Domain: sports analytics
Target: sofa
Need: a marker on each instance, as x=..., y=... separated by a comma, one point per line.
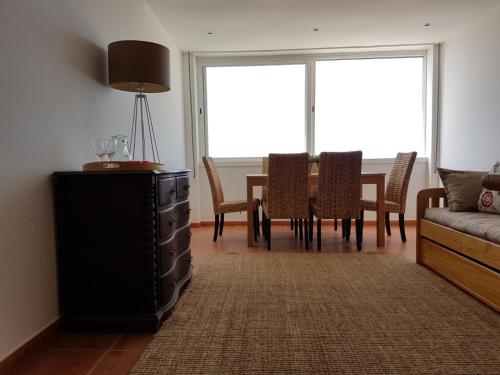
x=463, y=247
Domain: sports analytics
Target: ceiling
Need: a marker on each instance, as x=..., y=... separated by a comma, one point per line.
x=239, y=25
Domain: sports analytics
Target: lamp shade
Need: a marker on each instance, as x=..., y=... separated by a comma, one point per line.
x=139, y=66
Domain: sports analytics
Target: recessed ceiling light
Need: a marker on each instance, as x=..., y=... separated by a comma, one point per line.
x=210, y=33
x=427, y=24
x=315, y=28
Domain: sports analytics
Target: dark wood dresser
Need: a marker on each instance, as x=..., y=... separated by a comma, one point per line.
x=123, y=246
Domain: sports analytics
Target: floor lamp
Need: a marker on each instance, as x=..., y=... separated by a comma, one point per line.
x=141, y=67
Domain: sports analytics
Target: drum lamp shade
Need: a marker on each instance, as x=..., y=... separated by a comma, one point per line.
x=139, y=66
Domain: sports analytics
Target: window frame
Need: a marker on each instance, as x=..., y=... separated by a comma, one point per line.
x=309, y=59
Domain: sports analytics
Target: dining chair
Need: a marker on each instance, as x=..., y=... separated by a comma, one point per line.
x=396, y=191
x=287, y=191
x=221, y=206
x=339, y=193
x=294, y=223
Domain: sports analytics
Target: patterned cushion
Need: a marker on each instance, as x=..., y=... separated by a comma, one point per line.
x=489, y=200
x=479, y=224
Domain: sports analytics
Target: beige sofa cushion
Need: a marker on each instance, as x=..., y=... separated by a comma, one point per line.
x=479, y=224
x=462, y=188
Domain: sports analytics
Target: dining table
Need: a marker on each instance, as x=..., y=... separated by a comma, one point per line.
x=377, y=179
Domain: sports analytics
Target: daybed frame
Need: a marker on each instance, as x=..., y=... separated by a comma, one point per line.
x=470, y=262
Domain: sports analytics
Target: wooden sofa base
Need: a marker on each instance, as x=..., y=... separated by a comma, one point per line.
x=483, y=283
x=469, y=262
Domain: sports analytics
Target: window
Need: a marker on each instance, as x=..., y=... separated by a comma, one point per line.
x=254, y=110
x=373, y=105
x=370, y=101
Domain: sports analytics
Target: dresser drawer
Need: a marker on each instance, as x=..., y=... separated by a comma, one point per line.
x=167, y=256
x=167, y=288
x=167, y=191
x=182, y=212
x=183, y=265
x=182, y=187
x=167, y=224
x=173, y=248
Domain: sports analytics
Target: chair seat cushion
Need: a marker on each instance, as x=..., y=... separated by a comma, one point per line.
x=236, y=206
x=369, y=205
x=478, y=224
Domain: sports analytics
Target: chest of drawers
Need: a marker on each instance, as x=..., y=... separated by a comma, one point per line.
x=123, y=246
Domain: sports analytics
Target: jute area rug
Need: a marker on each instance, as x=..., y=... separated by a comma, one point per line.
x=296, y=313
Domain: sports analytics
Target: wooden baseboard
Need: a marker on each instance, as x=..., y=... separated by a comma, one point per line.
x=287, y=222
x=28, y=349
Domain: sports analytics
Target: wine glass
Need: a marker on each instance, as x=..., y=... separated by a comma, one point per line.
x=104, y=148
x=110, y=148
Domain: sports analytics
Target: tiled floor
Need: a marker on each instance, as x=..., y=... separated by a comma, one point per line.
x=116, y=353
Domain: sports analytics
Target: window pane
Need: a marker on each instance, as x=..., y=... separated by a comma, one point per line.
x=255, y=110
x=373, y=105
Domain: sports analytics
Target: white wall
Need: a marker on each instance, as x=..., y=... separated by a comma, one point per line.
x=234, y=183
x=470, y=97
x=54, y=100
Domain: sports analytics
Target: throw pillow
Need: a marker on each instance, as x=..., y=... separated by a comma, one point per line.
x=462, y=188
x=492, y=182
x=489, y=200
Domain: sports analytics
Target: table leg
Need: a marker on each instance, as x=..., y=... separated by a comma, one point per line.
x=380, y=211
x=249, y=214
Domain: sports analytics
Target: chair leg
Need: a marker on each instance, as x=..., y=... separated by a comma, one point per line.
x=301, y=236
x=359, y=233
x=387, y=224
x=318, y=232
x=264, y=225
x=264, y=228
x=362, y=216
x=221, y=226
x=310, y=222
x=335, y=225
x=216, y=227
x=347, y=229
x=268, y=234
x=296, y=227
x=342, y=221
x=402, y=227
x=306, y=233
x=255, y=221
x=291, y=224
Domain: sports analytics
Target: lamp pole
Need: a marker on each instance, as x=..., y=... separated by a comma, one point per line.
x=141, y=105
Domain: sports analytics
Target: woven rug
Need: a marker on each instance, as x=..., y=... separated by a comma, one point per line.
x=367, y=313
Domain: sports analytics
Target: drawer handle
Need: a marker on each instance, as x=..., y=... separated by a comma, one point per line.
x=186, y=187
x=188, y=235
x=172, y=191
x=173, y=283
x=171, y=252
x=188, y=211
x=171, y=222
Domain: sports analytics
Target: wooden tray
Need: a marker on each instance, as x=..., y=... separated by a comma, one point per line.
x=110, y=166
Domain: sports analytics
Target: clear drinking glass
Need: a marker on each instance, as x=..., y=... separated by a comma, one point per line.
x=122, y=148
x=104, y=148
